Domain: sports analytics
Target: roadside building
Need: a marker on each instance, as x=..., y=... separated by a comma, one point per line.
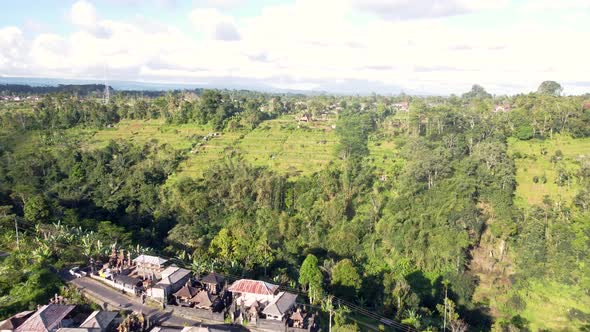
x=128, y=283
x=149, y=267
x=280, y=306
x=213, y=282
x=11, y=323
x=173, y=278
x=185, y=294
x=100, y=320
x=48, y=318
x=246, y=291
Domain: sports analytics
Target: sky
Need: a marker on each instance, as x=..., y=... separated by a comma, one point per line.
x=343, y=46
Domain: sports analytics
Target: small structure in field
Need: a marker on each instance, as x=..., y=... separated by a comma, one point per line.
x=305, y=118
x=403, y=106
x=502, y=108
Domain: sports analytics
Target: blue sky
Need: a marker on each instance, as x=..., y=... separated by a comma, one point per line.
x=352, y=46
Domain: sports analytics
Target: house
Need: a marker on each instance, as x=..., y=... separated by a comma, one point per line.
x=128, y=283
x=100, y=320
x=502, y=108
x=149, y=267
x=247, y=291
x=11, y=323
x=297, y=318
x=280, y=306
x=253, y=311
x=404, y=106
x=213, y=282
x=173, y=278
x=48, y=318
x=203, y=300
x=185, y=294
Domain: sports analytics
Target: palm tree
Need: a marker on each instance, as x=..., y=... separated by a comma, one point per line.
x=328, y=305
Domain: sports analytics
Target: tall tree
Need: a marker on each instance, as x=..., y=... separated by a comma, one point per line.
x=310, y=276
x=550, y=88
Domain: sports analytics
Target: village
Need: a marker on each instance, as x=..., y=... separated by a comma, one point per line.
x=149, y=293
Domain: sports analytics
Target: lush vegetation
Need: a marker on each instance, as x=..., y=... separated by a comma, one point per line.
x=397, y=212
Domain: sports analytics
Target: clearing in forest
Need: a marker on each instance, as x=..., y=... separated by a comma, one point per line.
x=539, y=165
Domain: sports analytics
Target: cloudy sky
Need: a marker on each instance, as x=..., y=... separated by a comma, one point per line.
x=350, y=46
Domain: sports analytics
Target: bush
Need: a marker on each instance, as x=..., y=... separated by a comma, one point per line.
x=524, y=132
x=516, y=303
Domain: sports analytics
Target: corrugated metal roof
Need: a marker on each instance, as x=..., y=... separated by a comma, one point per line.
x=213, y=278
x=147, y=259
x=172, y=275
x=99, y=319
x=253, y=287
x=280, y=305
x=14, y=321
x=46, y=318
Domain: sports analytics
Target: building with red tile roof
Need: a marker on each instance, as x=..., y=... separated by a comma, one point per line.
x=248, y=291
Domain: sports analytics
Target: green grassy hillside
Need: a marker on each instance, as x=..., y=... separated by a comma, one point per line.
x=282, y=144
x=534, y=158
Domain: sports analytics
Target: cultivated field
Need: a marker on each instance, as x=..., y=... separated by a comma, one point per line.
x=280, y=144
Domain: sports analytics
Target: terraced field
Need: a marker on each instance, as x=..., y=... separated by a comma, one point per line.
x=289, y=147
x=282, y=144
x=142, y=131
x=383, y=152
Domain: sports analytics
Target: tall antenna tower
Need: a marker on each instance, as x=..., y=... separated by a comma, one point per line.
x=107, y=93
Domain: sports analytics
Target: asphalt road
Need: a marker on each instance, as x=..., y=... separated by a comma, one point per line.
x=115, y=298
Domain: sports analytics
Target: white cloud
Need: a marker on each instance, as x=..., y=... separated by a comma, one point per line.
x=214, y=25
x=83, y=14
x=412, y=9
x=218, y=3
x=12, y=45
x=307, y=44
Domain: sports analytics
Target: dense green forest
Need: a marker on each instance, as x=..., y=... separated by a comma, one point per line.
x=407, y=210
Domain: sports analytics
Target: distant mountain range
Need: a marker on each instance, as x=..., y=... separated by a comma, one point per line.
x=342, y=88
x=146, y=86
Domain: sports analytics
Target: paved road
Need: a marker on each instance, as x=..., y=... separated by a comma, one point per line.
x=115, y=298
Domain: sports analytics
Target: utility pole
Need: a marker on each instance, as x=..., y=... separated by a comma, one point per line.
x=16, y=228
x=106, y=86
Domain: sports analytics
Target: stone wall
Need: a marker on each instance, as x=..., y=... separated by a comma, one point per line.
x=197, y=314
x=271, y=325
